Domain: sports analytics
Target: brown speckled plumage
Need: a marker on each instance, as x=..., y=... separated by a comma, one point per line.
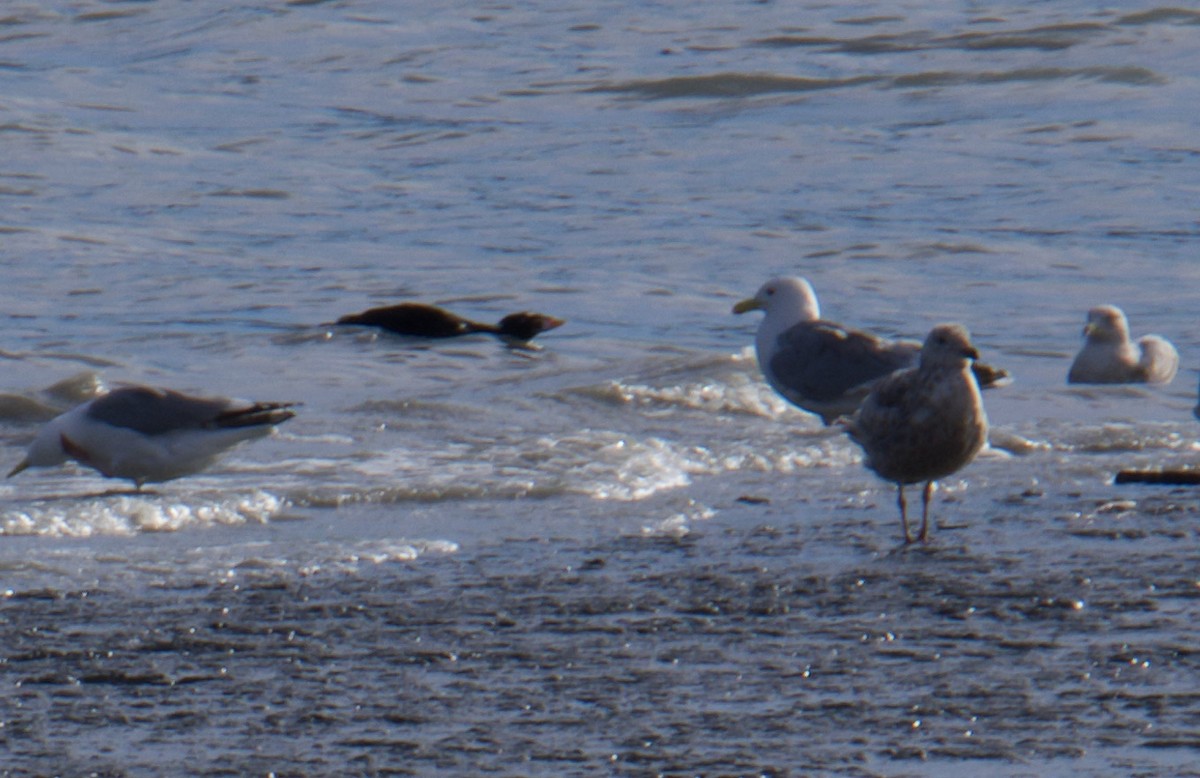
x=926, y=422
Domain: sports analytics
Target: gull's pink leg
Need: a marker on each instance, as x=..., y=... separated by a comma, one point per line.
x=928, y=494
x=903, y=513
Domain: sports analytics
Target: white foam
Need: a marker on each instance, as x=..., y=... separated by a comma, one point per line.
x=128, y=514
x=739, y=394
x=266, y=559
x=603, y=464
x=678, y=525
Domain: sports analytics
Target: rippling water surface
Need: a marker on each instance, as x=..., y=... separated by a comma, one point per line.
x=619, y=553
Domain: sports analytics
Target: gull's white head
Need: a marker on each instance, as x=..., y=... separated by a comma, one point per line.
x=1106, y=324
x=948, y=345
x=46, y=450
x=787, y=297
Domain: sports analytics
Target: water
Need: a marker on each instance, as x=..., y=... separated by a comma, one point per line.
x=619, y=554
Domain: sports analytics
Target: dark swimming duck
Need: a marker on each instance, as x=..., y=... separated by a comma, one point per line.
x=429, y=321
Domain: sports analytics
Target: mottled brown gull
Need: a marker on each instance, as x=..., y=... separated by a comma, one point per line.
x=926, y=422
x=818, y=365
x=1109, y=356
x=150, y=435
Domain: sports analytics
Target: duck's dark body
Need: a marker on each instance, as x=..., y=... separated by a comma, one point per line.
x=415, y=319
x=429, y=321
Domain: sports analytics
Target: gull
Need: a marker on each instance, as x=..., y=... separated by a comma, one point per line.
x=818, y=365
x=1108, y=355
x=145, y=434
x=925, y=422
x=429, y=321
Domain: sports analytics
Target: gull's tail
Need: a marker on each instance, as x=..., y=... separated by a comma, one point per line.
x=1160, y=360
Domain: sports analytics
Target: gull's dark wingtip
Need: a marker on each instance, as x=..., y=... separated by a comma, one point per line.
x=990, y=376
x=263, y=414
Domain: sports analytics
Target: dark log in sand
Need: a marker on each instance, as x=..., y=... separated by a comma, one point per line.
x=1185, y=477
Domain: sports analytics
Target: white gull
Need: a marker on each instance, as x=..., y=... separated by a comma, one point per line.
x=1109, y=356
x=145, y=434
x=819, y=365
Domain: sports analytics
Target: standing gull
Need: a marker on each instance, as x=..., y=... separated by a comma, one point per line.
x=1108, y=355
x=818, y=365
x=926, y=422
x=150, y=435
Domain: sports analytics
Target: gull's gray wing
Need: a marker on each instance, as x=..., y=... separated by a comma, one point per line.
x=823, y=361
x=152, y=411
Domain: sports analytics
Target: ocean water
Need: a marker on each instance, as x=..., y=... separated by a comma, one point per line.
x=618, y=553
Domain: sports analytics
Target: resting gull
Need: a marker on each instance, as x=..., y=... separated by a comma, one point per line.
x=925, y=422
x=429, y=321
x=150, y=435
x=820, y=366
x=1108, y=355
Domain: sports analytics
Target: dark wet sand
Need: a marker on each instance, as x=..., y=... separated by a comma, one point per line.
x=737, y=650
